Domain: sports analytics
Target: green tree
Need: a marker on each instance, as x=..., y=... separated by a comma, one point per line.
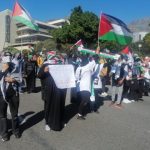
x=46, y=45
x=38, y=47
x=83, y=25
x=49, y=44
x=145, y=49
x=11, y=49
x=146, y=40
x=111, y=45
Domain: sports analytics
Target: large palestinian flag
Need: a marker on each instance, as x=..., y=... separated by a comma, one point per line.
x=113, y=29
x=22, y=16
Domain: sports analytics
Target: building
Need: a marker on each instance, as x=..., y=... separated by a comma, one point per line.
x=18, y=35
x=7, y=29
x=138, y=36
x=27, y=37
x=58, y=22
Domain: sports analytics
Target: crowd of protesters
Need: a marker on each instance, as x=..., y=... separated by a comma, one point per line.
x=129, y=81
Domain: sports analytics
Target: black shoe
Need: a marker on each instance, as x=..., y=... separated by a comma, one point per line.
x=17, y=135
x=81, y=117
x=33, y=91
x=4, y=139
x=146, y=94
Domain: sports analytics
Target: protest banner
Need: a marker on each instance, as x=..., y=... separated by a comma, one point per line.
x=63, y=76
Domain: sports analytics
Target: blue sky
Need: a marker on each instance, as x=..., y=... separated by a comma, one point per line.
x=126, y=10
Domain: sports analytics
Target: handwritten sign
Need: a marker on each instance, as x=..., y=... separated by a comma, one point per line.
x=63, y=76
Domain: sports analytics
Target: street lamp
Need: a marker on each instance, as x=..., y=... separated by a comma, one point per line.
x=140, y=45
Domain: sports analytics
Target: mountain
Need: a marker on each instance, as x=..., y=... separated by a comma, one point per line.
x=140, y=25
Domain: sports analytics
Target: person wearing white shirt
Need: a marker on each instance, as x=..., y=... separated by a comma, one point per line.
x=83, y=77
x=97, y=85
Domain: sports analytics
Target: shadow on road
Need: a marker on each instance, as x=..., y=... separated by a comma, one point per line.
x=32, y=121
x=27, y=114
x=37, y=89
x=70, y=111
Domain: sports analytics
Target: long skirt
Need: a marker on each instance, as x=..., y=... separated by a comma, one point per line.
x=54, y=106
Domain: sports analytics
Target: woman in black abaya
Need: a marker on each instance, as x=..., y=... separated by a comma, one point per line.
x=54, y=100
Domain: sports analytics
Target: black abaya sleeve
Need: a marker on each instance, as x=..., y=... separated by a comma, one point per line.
x=41, y=73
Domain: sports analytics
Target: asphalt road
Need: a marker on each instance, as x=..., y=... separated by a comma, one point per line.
x=112, y=129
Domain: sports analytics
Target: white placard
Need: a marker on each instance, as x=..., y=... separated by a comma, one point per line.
x=63, y=76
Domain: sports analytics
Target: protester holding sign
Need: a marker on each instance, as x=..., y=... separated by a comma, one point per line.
x=54, y=99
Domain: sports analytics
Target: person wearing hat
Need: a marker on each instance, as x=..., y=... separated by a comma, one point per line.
x=9, y=96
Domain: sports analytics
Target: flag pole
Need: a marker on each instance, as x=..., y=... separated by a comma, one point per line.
x=72, y=47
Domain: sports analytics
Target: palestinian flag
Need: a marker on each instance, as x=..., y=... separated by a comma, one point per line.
x=92, y=52
x=78, y=44
x=22, y=16
x=127, y=52
x=113, y=29
x=51, y=54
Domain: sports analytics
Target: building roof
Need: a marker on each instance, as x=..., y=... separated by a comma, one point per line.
x=46, y=24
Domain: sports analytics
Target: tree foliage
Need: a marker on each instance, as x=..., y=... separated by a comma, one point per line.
x=146, y=40
x=111, y=45
x=83, y=25
x=46, y=45
x=145, y=49
x=11, y=49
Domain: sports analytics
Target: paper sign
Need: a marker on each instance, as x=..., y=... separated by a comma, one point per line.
x=63, y=76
